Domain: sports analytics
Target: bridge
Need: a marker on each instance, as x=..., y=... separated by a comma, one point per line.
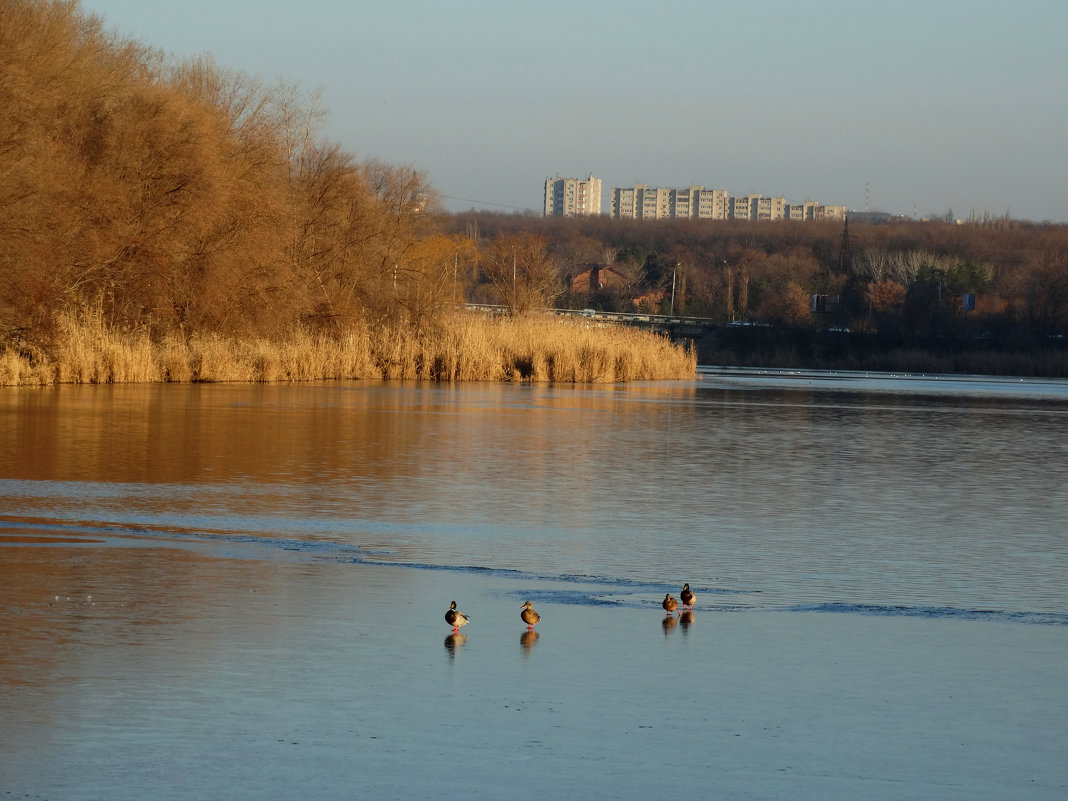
x=674, y=326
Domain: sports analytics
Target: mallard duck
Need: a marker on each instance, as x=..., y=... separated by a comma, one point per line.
x=530, y=617
x=687, y=597
x=455, y=617
x=670, y=604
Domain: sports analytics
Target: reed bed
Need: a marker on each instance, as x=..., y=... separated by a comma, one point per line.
x=462, y=347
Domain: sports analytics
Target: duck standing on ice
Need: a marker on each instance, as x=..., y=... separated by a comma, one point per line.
x=455, y=618
x=530, y=617
x=687, y=597
x=670, y=604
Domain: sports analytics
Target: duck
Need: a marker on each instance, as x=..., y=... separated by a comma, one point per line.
x=530, y=617
x=670, y=604
x=687, y=597
x=455, y=618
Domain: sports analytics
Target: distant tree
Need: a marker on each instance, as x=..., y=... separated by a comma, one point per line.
x=656, y=270
x=401, y=214
x=430, y=276
x=522, y=271
x=886, y=296
x=780, y=285
x=1047, y=297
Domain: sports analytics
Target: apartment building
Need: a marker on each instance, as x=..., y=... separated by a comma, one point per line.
x=769, y=208
x=801, y=211
x=643, y=202
x=829, y=213
x=572, y=197
x=623, y=203
x=743, y=207
x=810, y=210
x=712, y=204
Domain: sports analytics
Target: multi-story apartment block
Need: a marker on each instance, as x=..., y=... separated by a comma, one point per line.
x=682, y=202
x=625, y=202
x=801, y=211
x=712, y=204
x=656, y=203
x=829, y=213
x=810, y=210
x=743, y=207
x=572, y=197
x=769, y=208
x=643, y=202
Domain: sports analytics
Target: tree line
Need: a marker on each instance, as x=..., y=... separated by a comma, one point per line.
x=902, y=281
x=178, y=196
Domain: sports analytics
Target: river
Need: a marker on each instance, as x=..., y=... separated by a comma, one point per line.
x=237, y=591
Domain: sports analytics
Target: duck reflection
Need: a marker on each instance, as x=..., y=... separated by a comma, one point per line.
x=669, y=622
x=528, y=638
x=454, y=642
x=687, y=619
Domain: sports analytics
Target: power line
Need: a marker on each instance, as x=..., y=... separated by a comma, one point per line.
x=485, y=203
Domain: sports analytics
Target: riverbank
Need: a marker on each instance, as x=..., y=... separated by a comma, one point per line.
x=463, y=347
x=845, y=350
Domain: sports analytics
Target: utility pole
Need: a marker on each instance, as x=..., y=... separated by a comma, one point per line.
x=728, y=295
x=673, y=271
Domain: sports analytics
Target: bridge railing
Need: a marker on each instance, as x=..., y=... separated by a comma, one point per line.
x=620, y=317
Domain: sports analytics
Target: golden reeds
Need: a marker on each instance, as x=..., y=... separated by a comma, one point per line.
x=462, y=347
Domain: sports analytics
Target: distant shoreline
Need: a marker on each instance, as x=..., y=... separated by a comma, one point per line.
x=890, y=381
x=762, y=348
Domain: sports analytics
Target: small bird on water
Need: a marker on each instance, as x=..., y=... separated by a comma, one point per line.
x=670, y=604
x=455, y=617
x=687, y=597
x=530, y=617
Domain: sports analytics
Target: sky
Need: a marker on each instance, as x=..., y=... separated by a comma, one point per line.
x=907, y=107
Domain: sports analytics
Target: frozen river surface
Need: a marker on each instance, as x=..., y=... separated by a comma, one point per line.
x=238, y=592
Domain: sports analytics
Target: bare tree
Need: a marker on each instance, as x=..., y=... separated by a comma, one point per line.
x=428, y=279
x=522, y=271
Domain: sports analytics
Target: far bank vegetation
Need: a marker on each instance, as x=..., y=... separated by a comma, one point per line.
x=985, y=295
x=177, y=221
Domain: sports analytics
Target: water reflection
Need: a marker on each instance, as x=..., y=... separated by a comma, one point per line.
x=796, y=492
x=687, y=619
x=528, y=639
x=454, y=642
x=669, y=622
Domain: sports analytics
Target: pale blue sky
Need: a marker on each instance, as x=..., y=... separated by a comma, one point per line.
x=934, y=105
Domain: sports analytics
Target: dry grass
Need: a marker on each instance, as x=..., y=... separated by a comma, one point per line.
x=463, y=347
